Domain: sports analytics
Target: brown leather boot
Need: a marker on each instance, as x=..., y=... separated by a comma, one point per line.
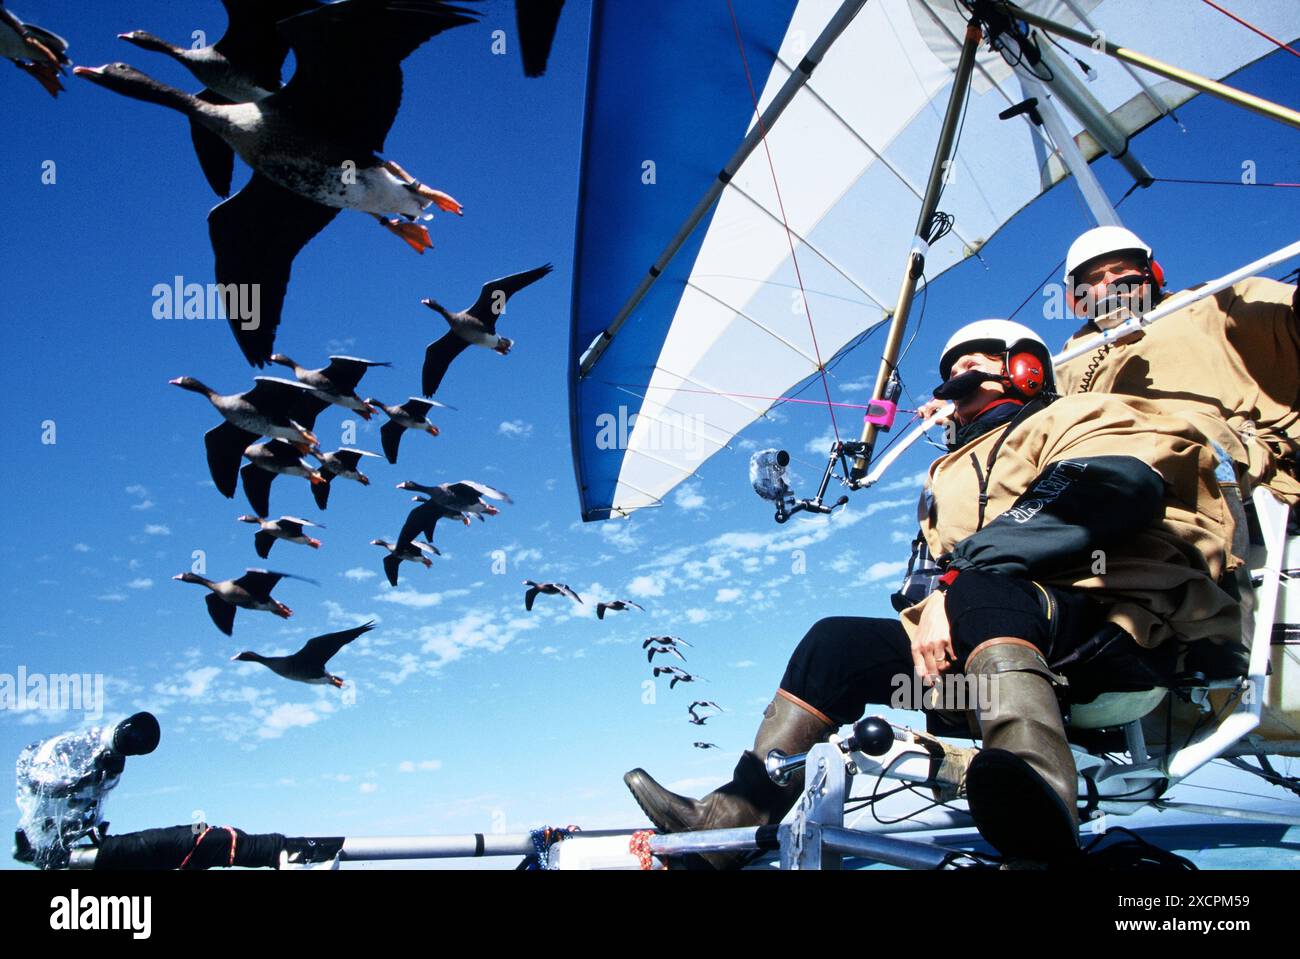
x=1023, y=785
x=751, y=798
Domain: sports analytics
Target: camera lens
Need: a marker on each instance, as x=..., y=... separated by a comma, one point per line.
x=137, y=735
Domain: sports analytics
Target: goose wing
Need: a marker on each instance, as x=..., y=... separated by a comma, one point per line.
x=494, y=292
x=345, y=372
x=390, y=437
x=437, y=358
x=255, y=236
x=251, y=41
x=216, y=159
x=319, y=650
x=225, y=445
x=257, y=487
x=348, y=84
x=262, y=542
x=537, y=20
x=222, y=613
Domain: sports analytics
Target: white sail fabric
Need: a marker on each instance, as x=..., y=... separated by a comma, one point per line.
x=851, y=156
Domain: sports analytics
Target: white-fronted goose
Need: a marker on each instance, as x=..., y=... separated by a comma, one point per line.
x=341, y=462
x=34, y=50
x=476, y=326
x=308, y=664
x=266, y=461
x=291, y=529
x=336, y=383
x=250, y=591
x=616, y=606
x=464, y=496
x=262, y=411
x=698, y=720
x=329, y=120
x=546, y=589
x=408, y=551
x=411, y=415
x=242, y=67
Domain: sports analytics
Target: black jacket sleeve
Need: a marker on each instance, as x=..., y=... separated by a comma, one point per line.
x=1072, y=508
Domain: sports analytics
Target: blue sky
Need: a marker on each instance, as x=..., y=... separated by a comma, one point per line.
x=469, y=714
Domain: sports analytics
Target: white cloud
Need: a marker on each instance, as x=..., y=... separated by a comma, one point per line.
x=859, y=385
x=112, y=597
x=882, y=570
x=696, y=616
x=135, y=489
x=915, y=481
x=199, y=680
x=744, y=664
x=423, y=765
x=485, y=629
x=141, y=583
x=81, y=547
x=286, y=716
x=143, y=504
x=413, y=599
x=688, y=497
x=359, y=573
x=647, y=586
x=728, y=595
x=515, y=429
x=157, y=529
x=549, y=650
x=368, y=788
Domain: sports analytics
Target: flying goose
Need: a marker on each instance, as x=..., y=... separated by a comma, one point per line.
x=291, y=529
x=476, y=326
x=266, y=461
x=460, y=498
x=342, y=462
x=262, y=411
x=313, y=145
x=308, y=664
x=698, y=720
x=336, y=383
x=250, y=591
x=546, y=589
x=404, y=551
x=411, y=415
x=242, y=67
x=34, y=50
x=617, y=605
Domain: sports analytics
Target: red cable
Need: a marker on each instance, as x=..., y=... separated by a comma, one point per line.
x=821, y=367
x=1250, y=26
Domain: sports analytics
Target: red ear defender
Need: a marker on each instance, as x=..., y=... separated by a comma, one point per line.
x=1158, y=274
x=1024, y=371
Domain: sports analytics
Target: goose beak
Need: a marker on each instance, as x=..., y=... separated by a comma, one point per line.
x=365, y=480
x=316, y=479
x=433, y=430
x=428, y=562
x=336, y=682
x=314, y=543
x=88, y=72
x=283, y=611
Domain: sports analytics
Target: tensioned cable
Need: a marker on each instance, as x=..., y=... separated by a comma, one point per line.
x=749, y=80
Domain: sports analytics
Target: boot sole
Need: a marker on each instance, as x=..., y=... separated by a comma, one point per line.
x=1017, y=812
x=640, y=778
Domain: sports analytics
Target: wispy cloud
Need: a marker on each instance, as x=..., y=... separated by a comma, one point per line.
x=141, y=583
x=515, y=429
x=422, y=765
x=687, y=497
x=413, y=599
x=359, y=573
x=157, y=529
x=80, y=548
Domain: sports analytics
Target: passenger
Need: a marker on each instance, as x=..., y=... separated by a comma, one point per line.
x=1082, y=540
x=1234, y=355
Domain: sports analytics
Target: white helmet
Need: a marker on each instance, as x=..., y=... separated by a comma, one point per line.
x=1102, y=241
x=996, y=336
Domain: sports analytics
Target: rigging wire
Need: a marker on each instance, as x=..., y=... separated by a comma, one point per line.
x=789, y=236
x=1250, y=26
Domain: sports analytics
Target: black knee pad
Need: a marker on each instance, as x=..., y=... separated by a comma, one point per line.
x=983, y=606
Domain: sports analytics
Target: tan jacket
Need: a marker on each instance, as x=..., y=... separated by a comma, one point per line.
x=1234, y=356
x=1162, y=582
